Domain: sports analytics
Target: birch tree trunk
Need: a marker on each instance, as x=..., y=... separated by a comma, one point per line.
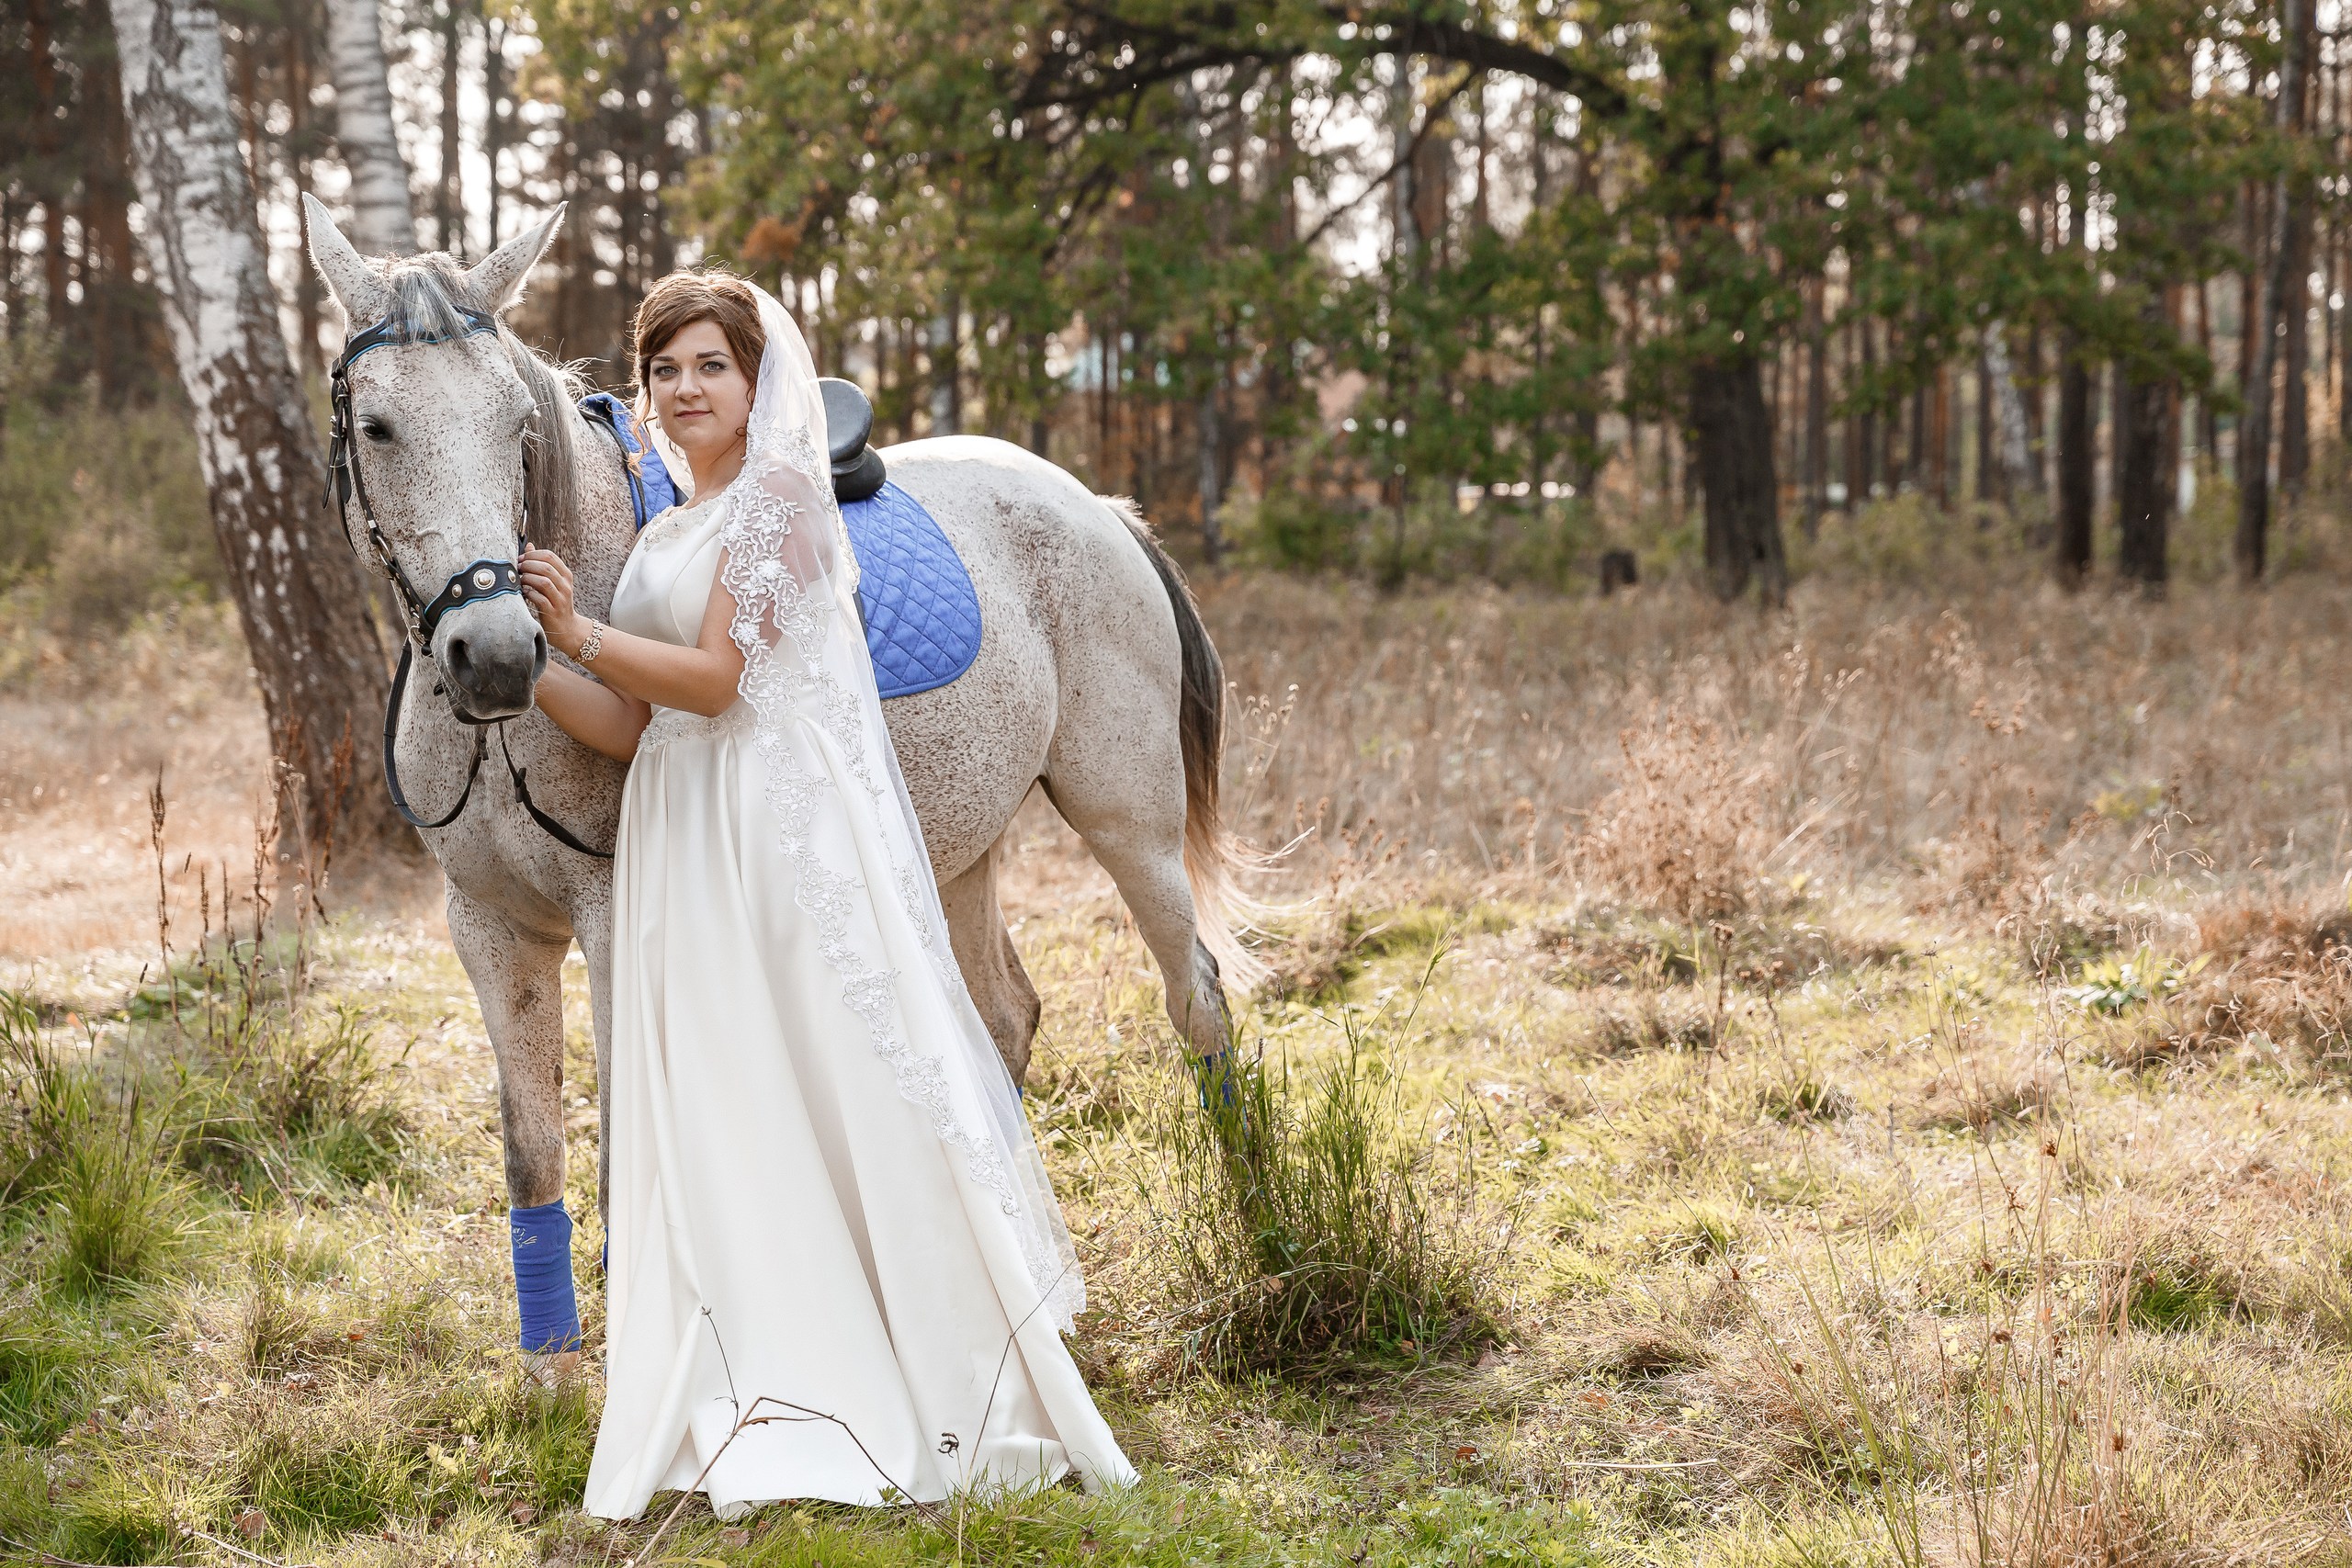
x=299, y=592
x=2012, y=451
x=383, y=222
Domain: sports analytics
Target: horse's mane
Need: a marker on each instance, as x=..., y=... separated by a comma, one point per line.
x=427, y=292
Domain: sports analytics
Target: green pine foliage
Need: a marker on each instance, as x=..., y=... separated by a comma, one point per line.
x=1490, y=226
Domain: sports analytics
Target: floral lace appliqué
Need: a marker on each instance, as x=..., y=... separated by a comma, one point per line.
x=785, y=677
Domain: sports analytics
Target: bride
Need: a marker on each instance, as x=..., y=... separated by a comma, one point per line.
x=836, y=1268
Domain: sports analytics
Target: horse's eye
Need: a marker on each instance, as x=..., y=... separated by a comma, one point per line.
x=375, y=430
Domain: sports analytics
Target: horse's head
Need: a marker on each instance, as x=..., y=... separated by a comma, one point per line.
x=435, y=402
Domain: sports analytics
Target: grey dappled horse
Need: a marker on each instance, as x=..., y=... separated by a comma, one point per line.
x=1095, y=680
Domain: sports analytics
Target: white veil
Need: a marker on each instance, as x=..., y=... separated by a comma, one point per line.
x=789, y=565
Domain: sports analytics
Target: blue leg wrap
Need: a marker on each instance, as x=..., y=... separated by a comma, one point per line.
x=1214, y=1068
x=542, y=1239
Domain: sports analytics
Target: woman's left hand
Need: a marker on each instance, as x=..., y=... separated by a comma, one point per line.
x=547, y=588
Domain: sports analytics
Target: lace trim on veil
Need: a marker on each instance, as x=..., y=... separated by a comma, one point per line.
x=784, y=624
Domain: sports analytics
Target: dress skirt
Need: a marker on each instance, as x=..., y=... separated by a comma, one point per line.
x=786, y=1226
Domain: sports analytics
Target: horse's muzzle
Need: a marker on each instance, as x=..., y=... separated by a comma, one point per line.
x=491, y=656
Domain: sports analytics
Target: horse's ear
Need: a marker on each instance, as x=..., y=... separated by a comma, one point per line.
x=359, y=292
x=497, y=279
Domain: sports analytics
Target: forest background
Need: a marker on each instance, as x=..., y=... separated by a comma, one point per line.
x=1412, y=289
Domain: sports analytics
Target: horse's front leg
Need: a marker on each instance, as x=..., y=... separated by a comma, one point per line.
x=592, y=919
x=518, y=979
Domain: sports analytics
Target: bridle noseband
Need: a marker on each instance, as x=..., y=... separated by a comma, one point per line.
x=469, y=584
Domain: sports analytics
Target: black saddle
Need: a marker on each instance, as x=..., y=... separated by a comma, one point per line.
x=858, y=471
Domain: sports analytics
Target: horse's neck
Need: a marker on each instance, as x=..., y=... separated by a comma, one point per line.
x=605, y=524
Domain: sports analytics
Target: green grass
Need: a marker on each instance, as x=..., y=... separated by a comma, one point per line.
x=1791, y=1280
x=1303, y=1222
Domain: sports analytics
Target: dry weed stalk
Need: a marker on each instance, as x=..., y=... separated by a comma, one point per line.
x=1680, y=832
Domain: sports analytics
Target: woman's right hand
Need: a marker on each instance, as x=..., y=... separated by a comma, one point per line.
x=547, y=588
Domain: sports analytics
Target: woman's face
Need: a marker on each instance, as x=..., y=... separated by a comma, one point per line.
x=701, y=394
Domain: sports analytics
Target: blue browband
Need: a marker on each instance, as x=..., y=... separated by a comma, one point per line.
x=390, y=333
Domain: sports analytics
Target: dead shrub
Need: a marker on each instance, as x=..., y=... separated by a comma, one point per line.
x=2273, y=976
x=1978, y=1096
x=1651, y=1021
x=1996, y=861
x=1681, y=831
x=1642, y=1349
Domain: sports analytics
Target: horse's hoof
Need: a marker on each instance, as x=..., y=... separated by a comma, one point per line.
x=552, y=1368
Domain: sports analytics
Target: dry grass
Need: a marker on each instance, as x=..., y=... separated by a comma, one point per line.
x=1998, y=732
x=1908, y=1063
x=85, y=731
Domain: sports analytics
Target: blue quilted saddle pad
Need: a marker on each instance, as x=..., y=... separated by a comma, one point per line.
x=922, y=618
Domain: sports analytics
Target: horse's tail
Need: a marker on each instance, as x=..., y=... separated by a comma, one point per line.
x=1214, y=859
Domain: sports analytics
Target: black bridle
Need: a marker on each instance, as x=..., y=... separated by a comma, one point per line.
x=469, y=584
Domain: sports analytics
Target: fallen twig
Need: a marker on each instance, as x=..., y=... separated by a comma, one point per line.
x=241, y=1551
x=1636, y=1464
x=749, y=1418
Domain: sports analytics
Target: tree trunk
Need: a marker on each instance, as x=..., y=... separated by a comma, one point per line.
x=1816, y=410
x=2012, y=452
x=381, y=222
x=1731, y=437
x=2249, y=312
x=1943, y=426
x=12, y=293
x=946, y=369
x=2145, y=474
x=42, y=47
x=2340, y=334
x=449, y=190
x=1861, y=437
x=2209, y=431
x=124, y=337
x=2254, y=427
x=2077, y=469
x=1988, y=483
x=1208, y=433
x=309, y=307
x=2295, y=408
x=1539, y=431
x=1914, y=449
x=2038, y=421
x=2340, y=329
x=299, y=594
x=494, y=120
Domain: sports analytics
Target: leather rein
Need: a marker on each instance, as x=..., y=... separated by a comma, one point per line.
x=468, y=584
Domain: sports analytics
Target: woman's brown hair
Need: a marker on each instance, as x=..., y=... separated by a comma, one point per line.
x=680, y=300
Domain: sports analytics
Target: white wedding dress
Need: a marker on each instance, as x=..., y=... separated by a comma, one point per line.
x=823, y=1195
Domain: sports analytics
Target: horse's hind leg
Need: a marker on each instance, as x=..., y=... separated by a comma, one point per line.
x=1123, y=797
x=518, y=979
x=1001, y=987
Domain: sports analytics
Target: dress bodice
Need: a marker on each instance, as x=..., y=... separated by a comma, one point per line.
x=665, y=587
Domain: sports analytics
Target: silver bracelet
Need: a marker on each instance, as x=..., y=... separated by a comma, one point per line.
x=592, y=644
